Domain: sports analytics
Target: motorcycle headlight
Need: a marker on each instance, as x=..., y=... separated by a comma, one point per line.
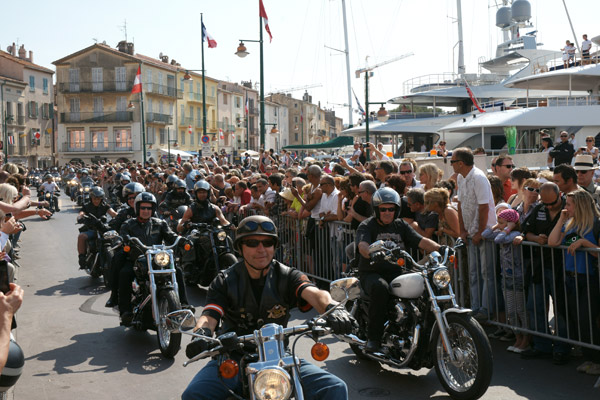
x=221, y=235
x=441, y=278
x=47, y=195
x=162, y=259
x=110, y=235
x=80, y=189
x=273, y=384
x=87, y=189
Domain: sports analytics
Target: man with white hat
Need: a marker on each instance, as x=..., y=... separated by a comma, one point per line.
x=584, y=165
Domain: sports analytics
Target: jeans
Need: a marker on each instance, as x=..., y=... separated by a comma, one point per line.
x=537, y=310
x=316, y=383
x=481, y=276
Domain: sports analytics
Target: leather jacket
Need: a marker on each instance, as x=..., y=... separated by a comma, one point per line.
x=154, y=231
x=172, y=201
x=203, y=213
x=123, y=214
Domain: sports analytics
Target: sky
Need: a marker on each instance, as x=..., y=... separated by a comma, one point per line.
x=297, y=56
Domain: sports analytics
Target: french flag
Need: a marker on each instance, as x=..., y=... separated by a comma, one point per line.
x=263, y=14
x=11, y=140
x=212, y=43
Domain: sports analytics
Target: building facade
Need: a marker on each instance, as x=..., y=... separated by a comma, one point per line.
x=27, y=109
x=276, y=121
x=252, y=115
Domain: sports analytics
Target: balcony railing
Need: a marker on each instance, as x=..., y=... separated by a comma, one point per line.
x=159, y=118
x=90, y=117
x=226, y=127
x=18, y=121
x=12, y=149
x=97, y=147
x=186, y=121
x=253, y=110
x=91, y=87
x=162, y=90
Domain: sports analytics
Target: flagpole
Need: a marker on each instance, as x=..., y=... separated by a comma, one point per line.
x=262, y=84
x=203, y=83
x=143, y=125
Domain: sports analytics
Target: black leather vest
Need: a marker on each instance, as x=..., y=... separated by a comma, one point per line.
x=202, y=214
x=243, y=314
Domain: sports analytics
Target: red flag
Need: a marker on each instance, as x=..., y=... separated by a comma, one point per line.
x=263, y=14
x=190, y=129
x=473, y=99
x=137, y=83
x=212, y=43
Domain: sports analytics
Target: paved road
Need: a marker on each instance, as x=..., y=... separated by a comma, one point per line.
x=76, y=349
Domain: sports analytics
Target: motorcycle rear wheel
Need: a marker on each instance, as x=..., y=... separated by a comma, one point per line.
x=168, y=342
x=469, y=377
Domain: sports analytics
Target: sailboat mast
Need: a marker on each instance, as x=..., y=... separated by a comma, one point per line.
x=350, y=124
x=461, y=50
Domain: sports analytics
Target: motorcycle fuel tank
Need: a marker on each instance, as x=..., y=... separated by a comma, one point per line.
x=408, y=286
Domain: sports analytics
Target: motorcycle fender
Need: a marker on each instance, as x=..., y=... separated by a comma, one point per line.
x=446, y=312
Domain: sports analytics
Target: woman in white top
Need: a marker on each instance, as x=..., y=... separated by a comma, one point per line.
x=589, y=148
x=547, y=148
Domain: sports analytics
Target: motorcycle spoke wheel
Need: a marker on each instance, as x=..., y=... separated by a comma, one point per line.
x=167, y=342
x=469, y=375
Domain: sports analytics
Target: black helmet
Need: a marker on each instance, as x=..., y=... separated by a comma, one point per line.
x=118, y=176
x=133, y=188
x=172, y=179
x=179, y=184
x=97, y=191
x=84, y=171
x=201, y=185
x=144, y=197
x=386, y=195
x=14, y=366
x=255, y=225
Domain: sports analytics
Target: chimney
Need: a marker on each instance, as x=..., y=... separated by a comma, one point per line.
x=122, y=46
x=130, y=48
x=22, y=52
x=30, y=56
x=13, y=49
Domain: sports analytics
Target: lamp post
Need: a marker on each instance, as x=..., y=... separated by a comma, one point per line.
x=274, y=130
x=131, y=106
x=169, y=144
x=241, y=52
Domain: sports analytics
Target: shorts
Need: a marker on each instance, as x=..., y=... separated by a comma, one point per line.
x=90, y=234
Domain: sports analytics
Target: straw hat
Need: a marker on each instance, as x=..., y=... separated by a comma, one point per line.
x=287, y=194
x=584, y=162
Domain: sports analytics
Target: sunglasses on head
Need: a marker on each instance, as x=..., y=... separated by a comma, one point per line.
x=532, y=189
x=255, y=242
x=387, y=209
x=252, y=226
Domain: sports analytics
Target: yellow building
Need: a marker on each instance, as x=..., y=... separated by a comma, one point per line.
x=189, y=113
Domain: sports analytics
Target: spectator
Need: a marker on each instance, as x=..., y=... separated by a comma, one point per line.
x=429, y=175
x=425, y=222
x=585, y=168
x=575, y=230
x=565, y=177
x=497, y=188
x=547, y=148
x=383, y=169
x=189, y=175
x=357, y=153
x=531, y=190
x=568, y=54
x=586, y=46
x=542, y=263
x=441, y=149
x=589, y=149
x=517, y=177
x=504, y=166
x=407, y=171
x=344, y=199
x=290, y=174
x=278, y=205
x=437, y=200
x=563, y=151
x=312, y=205
x=475, y=213
x=328, y=212
x=450, y=186
x=396, y=182
x=423, y=147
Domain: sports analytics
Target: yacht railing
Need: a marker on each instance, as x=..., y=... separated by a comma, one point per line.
x=550, y=63
x=555, y=101
x=447, y=79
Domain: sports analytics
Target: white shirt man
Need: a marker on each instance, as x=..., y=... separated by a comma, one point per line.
x=329, y=205
x=473, y=190
x=49, y=187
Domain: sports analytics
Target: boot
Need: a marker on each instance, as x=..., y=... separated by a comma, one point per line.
x=82, y=261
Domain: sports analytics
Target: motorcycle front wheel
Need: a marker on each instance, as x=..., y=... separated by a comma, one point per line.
x=469, y=376
x=226, y=260
x=168, y=342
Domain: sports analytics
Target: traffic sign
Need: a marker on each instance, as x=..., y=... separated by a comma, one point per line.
x=205, y=139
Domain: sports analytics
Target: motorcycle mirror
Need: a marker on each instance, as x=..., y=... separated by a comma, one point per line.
x=379, y=245
x=181, y=320
x=319, y=351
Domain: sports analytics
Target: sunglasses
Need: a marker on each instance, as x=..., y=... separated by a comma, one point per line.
x=563, y=135
x=387, y=209
x=406, y=172
x=532, y=189
x=553, y=203
x=584, y=171
x=589, y=140
x=146, y=208
x=252, y=226
x=131, y=198
x=255, y=242
x=509, y=166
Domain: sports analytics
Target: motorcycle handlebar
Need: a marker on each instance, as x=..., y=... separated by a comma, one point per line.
x=143, y=246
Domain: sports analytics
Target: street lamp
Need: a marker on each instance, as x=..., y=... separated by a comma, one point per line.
x=382, y=114
x=131, y=106
x=241, y=52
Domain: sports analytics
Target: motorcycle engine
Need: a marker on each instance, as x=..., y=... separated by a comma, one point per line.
x=399, y=312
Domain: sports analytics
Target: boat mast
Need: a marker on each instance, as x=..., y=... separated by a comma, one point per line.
x=461, y=50
x=572, y=29
x=347, y=65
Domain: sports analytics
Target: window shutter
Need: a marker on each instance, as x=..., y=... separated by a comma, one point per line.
x=50, y=111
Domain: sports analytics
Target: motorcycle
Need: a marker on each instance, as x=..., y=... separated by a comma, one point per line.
x=425, y=327
x=51, y=199
x=155, y=292
x=212, y=252
x=269, y=371
x=100, y=249
x=83, y=197
x=172, y=215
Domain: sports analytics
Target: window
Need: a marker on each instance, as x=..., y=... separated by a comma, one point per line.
x=182, y=84
x=32, y=110
x=123, y=138
x=162, y=135
x=31, y=83
x=98, y=108
x=97, y=84
x=296, y=136
x=45, y=83
x=160, y=83
x=225, y=98
x=74, y=80
x=182, y=108
x=47, y=139
x=8, y=111
x=198, y=114
x=161, y=107
x=34, y=141
x=296, y=119
x=99, y=139
x=275, y=111
x=191, y=88
x=149, y=80
x=120, y=79
x=122, y=108
x=295, y=105
x=46, y=110
x=198, y=88
x=150, y=135
x=191, y=115
x=238, y=102
x=212, y=91
x=182, y=138
x=76, y=138
x=192, y=138
x=149, y=108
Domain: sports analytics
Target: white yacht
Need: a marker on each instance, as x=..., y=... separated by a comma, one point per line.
x=518, y=56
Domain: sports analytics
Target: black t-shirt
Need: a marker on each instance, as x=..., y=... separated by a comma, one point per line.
x=398, y=232
x=405, y=211
x=97, y=212
x=363, y=208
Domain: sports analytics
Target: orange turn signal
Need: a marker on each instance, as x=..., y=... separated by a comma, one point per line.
x=187, y=247
x=451, y=258
x=319, y=351
x=126, y=249
x=401, y=262
x=229, y=369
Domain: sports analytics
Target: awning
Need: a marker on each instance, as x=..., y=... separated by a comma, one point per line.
x=335, y=143
x=184, y=154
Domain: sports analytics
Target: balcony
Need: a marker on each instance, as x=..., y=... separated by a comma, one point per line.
x=226, y=127
x=253, y=111
x=15, y=121
x=97, y=147
x=163, y=90
x=156, y=118
x=94, y=87
x=12, y=149
x=91, y=117
x=186, y=121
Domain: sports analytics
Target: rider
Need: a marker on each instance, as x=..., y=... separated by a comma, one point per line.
x=124, y=180
x=175, y=198
x=127, y=211
x=201, y=210
x=50, y=187
x=375, y=278
x=150, y=231
x=85, y=177
x=256, y=291
x=98, y=208
x=170, y=182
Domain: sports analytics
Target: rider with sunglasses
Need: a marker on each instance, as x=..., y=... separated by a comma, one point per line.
x=253, y=292
x=375, y=278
